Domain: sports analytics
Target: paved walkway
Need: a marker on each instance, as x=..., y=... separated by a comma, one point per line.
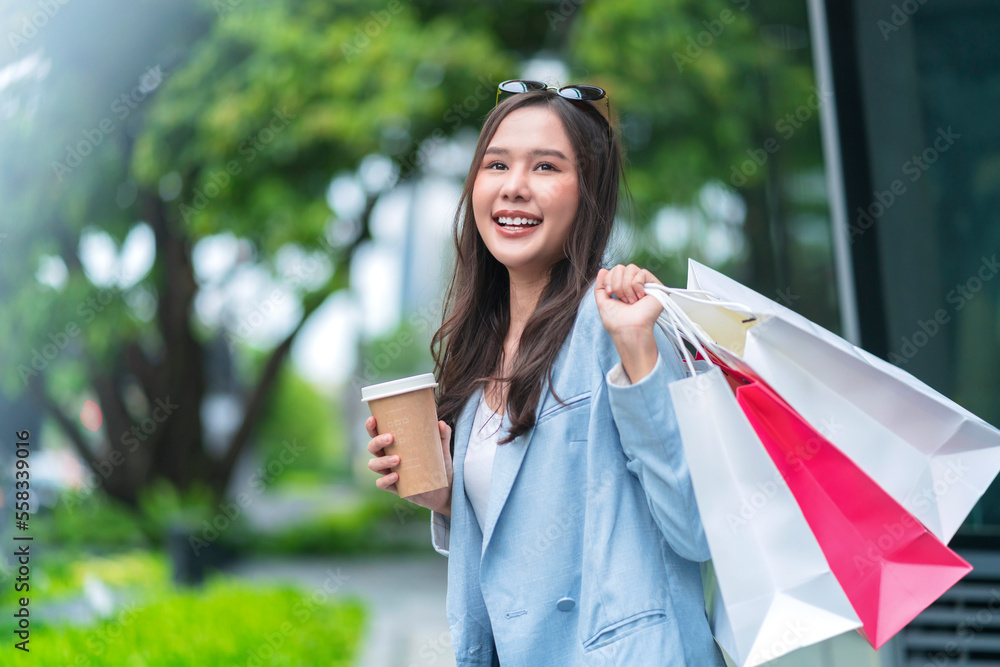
x=405, y=596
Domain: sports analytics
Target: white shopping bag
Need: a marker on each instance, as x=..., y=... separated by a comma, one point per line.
x=930, y=454
x=769, y=588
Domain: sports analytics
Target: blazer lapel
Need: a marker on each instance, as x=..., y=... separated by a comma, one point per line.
x=506, y=465
x=467, y=611
x=462, y=512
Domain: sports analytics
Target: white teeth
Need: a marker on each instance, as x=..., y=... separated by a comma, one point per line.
x=518, y=222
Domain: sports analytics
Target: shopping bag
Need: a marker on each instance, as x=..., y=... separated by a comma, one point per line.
x=889, y=565
x=930, y=454
x=772, y=590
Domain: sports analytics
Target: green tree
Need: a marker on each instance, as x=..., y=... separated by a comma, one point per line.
x=705, y=86
x=195, y=119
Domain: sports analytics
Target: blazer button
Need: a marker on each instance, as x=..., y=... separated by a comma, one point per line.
x=565, y=604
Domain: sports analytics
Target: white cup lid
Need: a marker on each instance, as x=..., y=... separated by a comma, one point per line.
x=401, y=386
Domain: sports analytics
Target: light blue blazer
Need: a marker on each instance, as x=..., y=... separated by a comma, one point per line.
x=592, y=541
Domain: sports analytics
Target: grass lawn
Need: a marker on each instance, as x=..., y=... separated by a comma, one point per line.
x=225, y=623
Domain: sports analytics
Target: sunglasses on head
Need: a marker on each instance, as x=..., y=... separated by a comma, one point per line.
x=573, y=92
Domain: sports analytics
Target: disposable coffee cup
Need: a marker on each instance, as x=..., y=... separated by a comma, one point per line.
x=406, y=408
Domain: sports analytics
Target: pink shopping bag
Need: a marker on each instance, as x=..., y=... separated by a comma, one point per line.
x=889, y=565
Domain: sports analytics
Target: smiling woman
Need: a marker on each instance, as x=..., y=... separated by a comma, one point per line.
x=569, y=520
x=526, y=194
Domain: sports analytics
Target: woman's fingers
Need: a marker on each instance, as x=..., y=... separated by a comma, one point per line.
x=625, y=281
x=378, y=443
x=602, y=288
x=383, y=464
x=388, y=482
x=615, y=280
x=622, y=280
x=632, y=283
x=445, y=432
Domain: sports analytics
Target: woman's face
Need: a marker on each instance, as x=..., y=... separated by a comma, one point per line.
x=526, y=192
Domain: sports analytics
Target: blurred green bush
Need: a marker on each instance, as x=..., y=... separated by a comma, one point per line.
x=224, y=624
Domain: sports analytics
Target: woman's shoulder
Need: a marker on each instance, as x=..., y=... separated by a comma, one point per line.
x=586, y=311
x=589, y=334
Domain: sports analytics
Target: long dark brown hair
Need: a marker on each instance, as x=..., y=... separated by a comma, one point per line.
x=468, y=348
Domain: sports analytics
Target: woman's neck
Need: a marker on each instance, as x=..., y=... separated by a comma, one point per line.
x=525, y=291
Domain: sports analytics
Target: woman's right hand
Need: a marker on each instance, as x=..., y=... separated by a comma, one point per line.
x=438, y=500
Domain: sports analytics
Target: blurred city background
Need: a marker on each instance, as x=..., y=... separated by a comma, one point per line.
x=220, y=218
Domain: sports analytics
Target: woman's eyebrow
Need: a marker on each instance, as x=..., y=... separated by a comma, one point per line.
x=537, y=152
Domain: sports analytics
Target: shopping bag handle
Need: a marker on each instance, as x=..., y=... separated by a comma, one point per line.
x=674, y=320
x=713, y=299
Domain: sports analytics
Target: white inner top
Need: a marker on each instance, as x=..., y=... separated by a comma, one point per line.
x=486, y=431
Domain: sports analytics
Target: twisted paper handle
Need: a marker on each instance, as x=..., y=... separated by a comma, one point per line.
x=674, y=321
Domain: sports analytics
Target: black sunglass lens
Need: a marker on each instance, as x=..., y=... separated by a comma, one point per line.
x=521, y=86
x=584, y=93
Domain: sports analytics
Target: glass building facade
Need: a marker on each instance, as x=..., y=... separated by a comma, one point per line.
x=913, y=158
x=879, y=218
x=918, y=87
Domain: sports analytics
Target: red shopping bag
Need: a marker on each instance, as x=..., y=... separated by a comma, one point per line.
x=889, y=565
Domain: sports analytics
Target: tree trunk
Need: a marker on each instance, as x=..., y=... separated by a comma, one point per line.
x=166, y=442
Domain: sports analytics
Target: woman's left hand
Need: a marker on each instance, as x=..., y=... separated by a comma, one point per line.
x=629, y=318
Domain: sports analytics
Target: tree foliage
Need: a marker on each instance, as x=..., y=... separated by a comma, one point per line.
x=192, y=119
x=236, y=116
